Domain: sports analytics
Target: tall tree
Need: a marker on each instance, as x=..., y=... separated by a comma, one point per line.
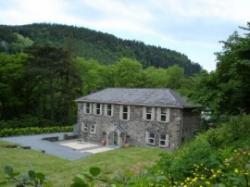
x=55, y=83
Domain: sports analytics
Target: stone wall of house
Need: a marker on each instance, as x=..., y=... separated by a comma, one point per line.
x=191, y=123
x=136, y=127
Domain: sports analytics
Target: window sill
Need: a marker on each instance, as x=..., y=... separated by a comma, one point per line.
x=148, y=120
x=108, y=116
x=124, y=119
x=163, y=121
x=151, y=144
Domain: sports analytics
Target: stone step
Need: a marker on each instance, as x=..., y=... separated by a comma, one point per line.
x=90, y=148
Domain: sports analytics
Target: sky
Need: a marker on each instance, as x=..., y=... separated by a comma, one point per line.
x=192, y=27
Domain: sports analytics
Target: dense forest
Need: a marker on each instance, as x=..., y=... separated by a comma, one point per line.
x=39, y=81
x=103, y=47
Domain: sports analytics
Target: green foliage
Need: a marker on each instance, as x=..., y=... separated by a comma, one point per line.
x=12, y=70
x=233, y=171
x=127, y=73
x=31, y=178
x=20, y=43
x=33, y=130
x=89, y=179
x=226, y=90
x=42, y=83
x=105, y=48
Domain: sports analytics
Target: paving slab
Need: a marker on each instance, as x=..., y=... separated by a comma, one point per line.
x=77, y=144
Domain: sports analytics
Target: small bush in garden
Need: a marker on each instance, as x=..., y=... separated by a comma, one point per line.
x=31, y=178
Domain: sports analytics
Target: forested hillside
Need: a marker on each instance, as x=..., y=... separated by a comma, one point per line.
x=103, y=47
x=40, y=80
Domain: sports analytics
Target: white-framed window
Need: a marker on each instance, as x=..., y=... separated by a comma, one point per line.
x=98, y=108
x=124, y=112
x=148, y=113
x=108, y=109
x=150, y=138
x=81, y=106
x=92, y=129
x=164, y=140
x=84, y=127
x=87, y=108
x=163, y=114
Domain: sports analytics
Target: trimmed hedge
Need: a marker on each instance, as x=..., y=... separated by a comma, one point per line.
x=33, y=130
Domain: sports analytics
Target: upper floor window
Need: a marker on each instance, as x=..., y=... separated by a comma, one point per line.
x=164, y=140
x=163, y=114
x=98, y=108
x=124, y=112
x=148, y=113
x=81, y=106
x=87, y=108
x=109, y=110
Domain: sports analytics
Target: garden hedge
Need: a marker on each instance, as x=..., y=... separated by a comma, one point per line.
x=33, y=130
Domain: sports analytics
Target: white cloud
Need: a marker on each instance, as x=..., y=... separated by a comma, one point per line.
x=120, y=9
x=230, y=10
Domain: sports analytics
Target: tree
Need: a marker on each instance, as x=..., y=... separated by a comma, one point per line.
x=227, y=89
x=11, y=81
x=127, y=73
x=54, y=84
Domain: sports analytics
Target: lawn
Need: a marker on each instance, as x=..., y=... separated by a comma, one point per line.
x=62, y=171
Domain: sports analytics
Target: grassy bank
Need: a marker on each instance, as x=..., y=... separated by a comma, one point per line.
x=62, y=171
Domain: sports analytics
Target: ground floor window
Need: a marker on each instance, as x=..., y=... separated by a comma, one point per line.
x=164, y=140
x=150, y=138
x=84, y=127
x=92, y=129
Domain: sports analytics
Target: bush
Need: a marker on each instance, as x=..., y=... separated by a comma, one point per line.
x=33, y=130
x=208, y=149
x=30, y=178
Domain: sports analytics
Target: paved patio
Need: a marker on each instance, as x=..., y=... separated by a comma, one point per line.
x=67, y=149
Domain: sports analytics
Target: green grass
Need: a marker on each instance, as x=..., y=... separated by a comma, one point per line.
x=61, y=171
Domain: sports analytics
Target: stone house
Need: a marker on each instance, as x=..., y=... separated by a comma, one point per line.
x=154, y=117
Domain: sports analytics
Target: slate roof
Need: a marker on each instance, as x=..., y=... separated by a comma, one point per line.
x=139, y=96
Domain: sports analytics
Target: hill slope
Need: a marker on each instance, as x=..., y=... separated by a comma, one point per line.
x=103, y=47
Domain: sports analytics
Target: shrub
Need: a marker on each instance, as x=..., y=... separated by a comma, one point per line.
x=31, y=178
x=208, y=149
x=33, y=130
x=233, y=171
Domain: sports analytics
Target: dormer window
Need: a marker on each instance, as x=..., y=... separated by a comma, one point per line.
x=124, y=112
